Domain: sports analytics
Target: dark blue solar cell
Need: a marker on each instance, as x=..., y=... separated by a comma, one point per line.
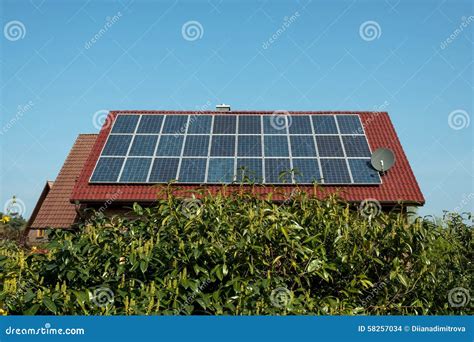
x=164, y=170
x=249, y=146
x=302, y=146
x=335, y=171
x=300, y=124
x=135, y=170
x=224, y=124
x=276, y=146
x=277, y=170
x=125, y=123
x=200, y=124
x=196, y=146
x=349, y=124
x=306, y=171
x=107, y=170
x=275, y=124
x=150, y=124
x=223, y=146
x=193, y=170
x=249, y=170
x=324, y=124
x=363, y=172
x=356, y=146
x=117, y=145
x=175, y=124
x=170, y=145
x=250, y=124
x=143, y=145
x=329, y=146
x=221, y=170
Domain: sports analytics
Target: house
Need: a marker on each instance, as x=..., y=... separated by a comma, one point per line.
x=259, y=151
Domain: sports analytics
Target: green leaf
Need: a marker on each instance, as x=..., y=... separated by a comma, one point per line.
x=32, y=310
x=402, y=279
x=50, y=304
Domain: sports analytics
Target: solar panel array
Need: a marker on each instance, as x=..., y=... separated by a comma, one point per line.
x=217, y=149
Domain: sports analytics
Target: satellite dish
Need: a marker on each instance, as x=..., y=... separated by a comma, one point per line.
x=382, y=159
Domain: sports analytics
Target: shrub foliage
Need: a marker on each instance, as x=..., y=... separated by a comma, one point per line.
x=240, y=255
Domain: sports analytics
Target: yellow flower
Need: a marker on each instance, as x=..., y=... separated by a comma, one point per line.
x=5, y=218
x=3, y=312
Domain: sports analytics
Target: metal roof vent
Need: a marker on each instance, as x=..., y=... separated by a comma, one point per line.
x=223, y=108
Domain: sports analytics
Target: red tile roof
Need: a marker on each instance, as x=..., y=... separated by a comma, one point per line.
x=57, y=211
x=398, y=185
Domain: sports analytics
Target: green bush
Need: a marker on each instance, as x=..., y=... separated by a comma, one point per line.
x=240, y=255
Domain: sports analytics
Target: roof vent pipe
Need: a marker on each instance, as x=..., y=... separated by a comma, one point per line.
x=223, y=108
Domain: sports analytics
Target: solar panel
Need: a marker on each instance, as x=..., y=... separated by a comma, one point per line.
x=150, y=124
x=349, y=124
x=249, y=170
x=276, y=146
x=164, y=170
x=223, y=146
x=125, y=124
x=193, y=170
x=306, y=171
x=135, y=170
x=302, y=146
x=300, y=124
x=107, y=169
x=117, y=145
x=362, y=171
x=277, y=170
x=217, y=149
x=170, y=145
x=143, y=145
x=249, y=146
x=250, y=124
x=196, y=145
x=335, y=171
x=221, y=170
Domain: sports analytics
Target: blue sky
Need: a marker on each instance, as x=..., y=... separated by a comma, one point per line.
x=330, y=55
